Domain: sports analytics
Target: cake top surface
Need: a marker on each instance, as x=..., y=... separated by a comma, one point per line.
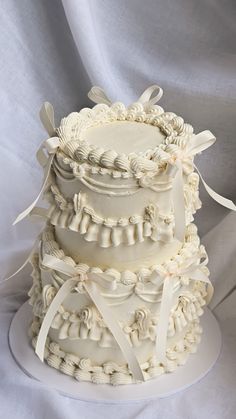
x=134, y=139
x=124, y=136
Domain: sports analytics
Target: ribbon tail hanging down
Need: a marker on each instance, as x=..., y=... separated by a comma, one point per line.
x=26, y=261
x=227, y=203
x=197, y=144
x=27, y=211
x=100, y=303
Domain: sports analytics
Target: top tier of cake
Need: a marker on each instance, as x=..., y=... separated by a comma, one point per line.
x=132, y=140
x=111, y=189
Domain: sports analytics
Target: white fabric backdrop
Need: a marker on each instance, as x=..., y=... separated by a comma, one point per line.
x=189, y=49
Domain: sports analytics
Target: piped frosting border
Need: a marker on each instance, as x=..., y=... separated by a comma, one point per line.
x=83, y=369
x=191, y=247
x=71, y=133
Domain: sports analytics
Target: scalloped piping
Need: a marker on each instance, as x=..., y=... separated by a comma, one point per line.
x=75, y=215
x=73, y=144
x=85, y=174
x=88, y=323
x=110, y=373
x=190, y=248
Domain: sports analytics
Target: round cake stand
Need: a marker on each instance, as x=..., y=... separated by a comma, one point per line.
x=197, y=366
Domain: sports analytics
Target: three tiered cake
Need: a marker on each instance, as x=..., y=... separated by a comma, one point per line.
x=120, y=277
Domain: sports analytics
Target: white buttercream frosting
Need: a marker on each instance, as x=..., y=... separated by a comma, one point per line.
x=130, y=139
x=84, y=369
x=189, y=249
x=112, y=212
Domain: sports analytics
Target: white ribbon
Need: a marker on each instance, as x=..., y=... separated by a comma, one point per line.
x=148, y=98
x=179, y=203
x=26, y=261
x=46, y=114
x=50, y=145
x=197, y=144
x=97, y=95
x=91, y=283
x=193, y=271
x=151, y=96
x=227, y=203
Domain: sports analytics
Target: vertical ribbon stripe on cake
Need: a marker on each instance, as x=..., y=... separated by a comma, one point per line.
x=179, y=204
x=193, y=270
x=91, y=283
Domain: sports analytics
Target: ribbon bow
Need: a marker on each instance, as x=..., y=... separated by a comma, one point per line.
x=148, y=98
x=50, y=145
x=193, y=270
x=91, y=283
x=196, y=145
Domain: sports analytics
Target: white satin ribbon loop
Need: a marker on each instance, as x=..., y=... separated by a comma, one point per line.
x=46, y=114
x=200, y=142
x=148, y=98
x=151, y=95
x=51, y=145
x=91, y=283
x=192, y=269
x=97, y=95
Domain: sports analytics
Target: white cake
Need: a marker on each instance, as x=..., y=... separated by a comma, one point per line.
x=112, y=213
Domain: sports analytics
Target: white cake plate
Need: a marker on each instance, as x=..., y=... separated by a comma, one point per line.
x=197, y=366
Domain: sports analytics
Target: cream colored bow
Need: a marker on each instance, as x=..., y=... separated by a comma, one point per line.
x=148, y=98
x=50, y=145
x=91, y=282
x=196, y=145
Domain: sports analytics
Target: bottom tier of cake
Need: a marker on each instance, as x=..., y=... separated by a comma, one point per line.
x=85, y=369
x=80, y=343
